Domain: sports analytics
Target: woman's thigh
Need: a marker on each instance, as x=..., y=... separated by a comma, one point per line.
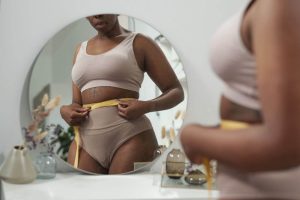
x=85, y=161
x=139, y=148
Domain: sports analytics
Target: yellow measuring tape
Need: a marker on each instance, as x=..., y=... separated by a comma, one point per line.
x=225, y=125
x=92, y=106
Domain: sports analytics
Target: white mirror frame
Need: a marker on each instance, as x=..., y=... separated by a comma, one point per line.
x=26, y=26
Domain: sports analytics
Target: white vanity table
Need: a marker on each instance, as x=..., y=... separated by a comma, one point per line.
x=74, y=186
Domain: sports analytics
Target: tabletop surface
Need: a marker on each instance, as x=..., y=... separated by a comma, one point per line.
x=89, y=187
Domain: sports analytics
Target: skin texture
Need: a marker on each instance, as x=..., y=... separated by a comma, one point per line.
x=151, y=60
x=271, y=31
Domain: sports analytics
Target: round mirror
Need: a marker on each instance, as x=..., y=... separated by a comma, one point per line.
x=51, y=74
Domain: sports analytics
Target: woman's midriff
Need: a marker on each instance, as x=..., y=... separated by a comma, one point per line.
x=104, y=93
x=236, y=112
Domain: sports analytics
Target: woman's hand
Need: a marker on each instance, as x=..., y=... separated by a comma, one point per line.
x=189, y=144
x=132, y=109
x=190, y=137
x=74, y=114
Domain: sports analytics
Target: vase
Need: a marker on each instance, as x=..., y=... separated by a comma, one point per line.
x=18, y=167
x=175, y=164
x=46, y=165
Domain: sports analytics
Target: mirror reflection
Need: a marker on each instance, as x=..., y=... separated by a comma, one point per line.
x=123, y=92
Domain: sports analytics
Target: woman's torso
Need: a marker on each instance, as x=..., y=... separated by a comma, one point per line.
x=99, y=50
x=229, y=109
x=232, y=111
x=103, y=93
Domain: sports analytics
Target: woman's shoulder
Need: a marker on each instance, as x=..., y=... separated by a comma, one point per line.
x=141, y=37
x=142, y=41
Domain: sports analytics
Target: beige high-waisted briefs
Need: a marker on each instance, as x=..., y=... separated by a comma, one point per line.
x=105, y=131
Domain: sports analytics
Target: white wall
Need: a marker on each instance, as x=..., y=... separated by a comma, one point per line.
x=25, y=26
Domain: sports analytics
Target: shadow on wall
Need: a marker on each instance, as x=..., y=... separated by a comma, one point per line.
x=1, y=158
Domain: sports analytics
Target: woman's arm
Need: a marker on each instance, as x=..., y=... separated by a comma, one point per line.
x=162, y=74
x=275, y=144
x=159, y=70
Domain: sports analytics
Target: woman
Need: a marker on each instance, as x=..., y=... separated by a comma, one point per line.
x=262, y=90
x=109, y=69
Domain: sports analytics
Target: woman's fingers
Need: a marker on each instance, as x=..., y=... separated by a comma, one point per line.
x=82, y=110
x=122, y=114
x=122, y=110
x=131, y=109
x=77, y=117
x=76, y=114
x=124, y=104
x=122, y=107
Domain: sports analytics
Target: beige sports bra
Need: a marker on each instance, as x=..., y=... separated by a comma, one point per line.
x=116, y=67
x=234, y=64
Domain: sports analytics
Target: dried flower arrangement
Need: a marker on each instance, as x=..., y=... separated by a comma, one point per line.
x=35, y=134
x=170, y=134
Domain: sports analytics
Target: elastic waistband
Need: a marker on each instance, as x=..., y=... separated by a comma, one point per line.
x=112, y=102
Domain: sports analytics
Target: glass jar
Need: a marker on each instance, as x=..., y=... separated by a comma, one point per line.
x=175, y=164
x=46, y=165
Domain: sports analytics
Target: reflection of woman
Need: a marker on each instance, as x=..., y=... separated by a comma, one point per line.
x=256, y=54
x=109, y=68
